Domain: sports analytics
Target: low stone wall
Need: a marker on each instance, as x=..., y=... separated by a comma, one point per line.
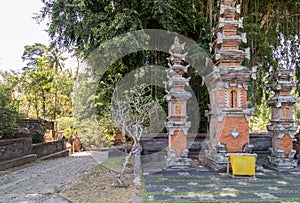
x=261, y=141
x=153, y=143
x=47, y=148
x=15, y=148
x=159, y=142
x=48, y=128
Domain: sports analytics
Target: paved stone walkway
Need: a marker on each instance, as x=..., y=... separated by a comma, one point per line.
x=201, y=185
x=41, y=182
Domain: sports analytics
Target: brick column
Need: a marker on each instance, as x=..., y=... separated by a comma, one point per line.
x=282, y=125
x=227, y=85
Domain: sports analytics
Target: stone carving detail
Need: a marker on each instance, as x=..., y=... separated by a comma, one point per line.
x=178, y=162
x=233, y=97
x=244, y=38
x=241, y=22
x=178, y=108
x=238, y=9
x=247, y=53
x=240, y=97
x=248, y=148
x=219, y=38
x=226, y=98
x=235, y=133
x=177, y=124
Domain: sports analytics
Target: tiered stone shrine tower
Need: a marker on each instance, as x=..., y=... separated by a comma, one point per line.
x=177, y=97
x=282, y=125
x=227, y=84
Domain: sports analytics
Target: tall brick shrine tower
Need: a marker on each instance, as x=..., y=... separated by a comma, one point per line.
x=177, y=124
x=282, y=125
x=227, y=84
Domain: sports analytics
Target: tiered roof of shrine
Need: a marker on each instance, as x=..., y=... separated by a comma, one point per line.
x=175, y=88
x=227, y=55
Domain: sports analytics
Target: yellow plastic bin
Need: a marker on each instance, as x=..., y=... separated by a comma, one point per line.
x=242, y=164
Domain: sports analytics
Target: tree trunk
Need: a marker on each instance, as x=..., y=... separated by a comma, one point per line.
x=120, y=176
x=136, y=148
x=44, y=103
x=55, y=102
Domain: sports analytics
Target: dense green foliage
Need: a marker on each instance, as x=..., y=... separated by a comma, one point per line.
x=43, y=89
x=8, y=112
x=83, y=25
x=37, y=137
x=263, y=22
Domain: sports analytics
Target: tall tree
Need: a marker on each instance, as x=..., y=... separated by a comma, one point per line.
x=33, y=52
x=55, y=59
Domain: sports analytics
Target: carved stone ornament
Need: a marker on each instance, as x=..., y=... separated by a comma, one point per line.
x=238, y=9
x=235, y=133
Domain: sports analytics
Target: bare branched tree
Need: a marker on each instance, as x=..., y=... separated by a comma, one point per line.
x=131, y=111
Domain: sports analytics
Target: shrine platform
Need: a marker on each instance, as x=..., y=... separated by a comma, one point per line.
x=202, y=185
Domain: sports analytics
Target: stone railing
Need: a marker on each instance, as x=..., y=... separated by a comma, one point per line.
x=154, y=143
x=48, y=148
x=15, y=148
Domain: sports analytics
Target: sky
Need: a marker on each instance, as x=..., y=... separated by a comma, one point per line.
x=17, y=29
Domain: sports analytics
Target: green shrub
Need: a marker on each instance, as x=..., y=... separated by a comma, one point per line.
x=65, y=123
x=11, y=131
x=37, y=137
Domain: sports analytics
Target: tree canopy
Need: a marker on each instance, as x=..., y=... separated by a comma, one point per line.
x=43, y=88
x=83, y=25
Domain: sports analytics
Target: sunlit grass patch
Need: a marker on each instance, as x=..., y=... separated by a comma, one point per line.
x=114, y=164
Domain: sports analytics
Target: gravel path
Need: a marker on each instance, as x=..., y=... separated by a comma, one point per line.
x=42, y=181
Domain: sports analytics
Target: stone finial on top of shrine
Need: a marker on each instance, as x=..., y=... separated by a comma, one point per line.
x=228, y=8
x=230, y=3
x=177, y=51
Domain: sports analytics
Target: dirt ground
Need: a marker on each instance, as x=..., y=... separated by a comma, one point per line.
x=97, y=185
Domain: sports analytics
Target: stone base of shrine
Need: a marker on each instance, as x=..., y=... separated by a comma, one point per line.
x=281, y=164
x=214, y=166
x=215, y=161
x=175, y=162
x=215, y=157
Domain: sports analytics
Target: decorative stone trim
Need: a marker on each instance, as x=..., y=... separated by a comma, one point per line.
x=177, y=124
x=240, y=97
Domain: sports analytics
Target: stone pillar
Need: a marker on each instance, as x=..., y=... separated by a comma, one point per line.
x=282, y=125
x=227, y=85
x=177, y=124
